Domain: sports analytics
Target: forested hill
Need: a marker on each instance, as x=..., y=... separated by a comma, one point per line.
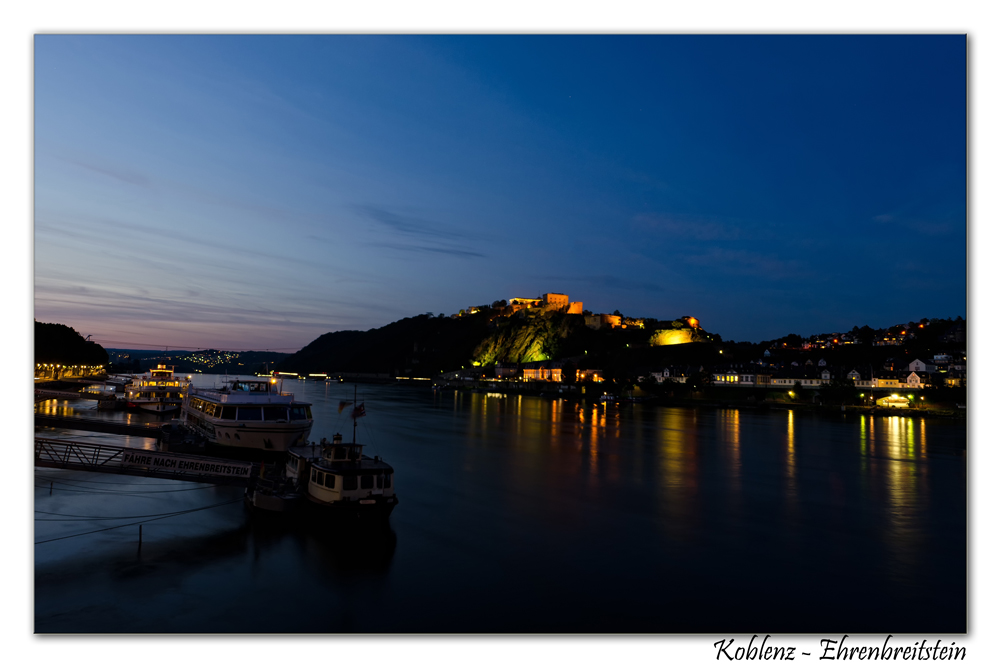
x=425, y=345
x=60, y=344
x=412, y=345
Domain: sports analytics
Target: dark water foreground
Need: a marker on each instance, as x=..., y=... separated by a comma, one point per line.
x=528, y=514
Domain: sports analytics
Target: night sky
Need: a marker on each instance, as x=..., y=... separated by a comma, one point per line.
x=255, y=192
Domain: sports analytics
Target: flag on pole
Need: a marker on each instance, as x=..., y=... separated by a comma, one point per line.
x=359, y=411
x=343, y=404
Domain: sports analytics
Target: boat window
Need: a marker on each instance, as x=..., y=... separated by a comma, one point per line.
x=366, y=482
x=350, y=482
x=340, y=453
x=273, y=413
x=229, y=412
x=312, y=475
x=388, y=480
x=300, y=412
x=248, y=414
x=319, y=478
x=378, y=481
x=331, y=481
x=309, y=414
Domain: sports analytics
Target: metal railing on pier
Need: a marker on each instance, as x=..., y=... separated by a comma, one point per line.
x=111, y=459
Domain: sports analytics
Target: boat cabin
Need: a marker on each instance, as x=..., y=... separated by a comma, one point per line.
x=341, y=473
x=161, y=376
x=334, y=485
x=162, y=372
x=251, y=386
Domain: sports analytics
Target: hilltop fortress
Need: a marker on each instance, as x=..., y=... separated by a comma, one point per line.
x=682, y=330
x=559, y=303
x=552, y=302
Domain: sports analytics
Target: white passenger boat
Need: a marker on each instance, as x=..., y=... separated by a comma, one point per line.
x=249, y=414
x=158, y=391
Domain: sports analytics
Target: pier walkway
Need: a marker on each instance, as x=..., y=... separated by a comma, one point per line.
x=99, y=426
x=117, y=460
x=46, y=394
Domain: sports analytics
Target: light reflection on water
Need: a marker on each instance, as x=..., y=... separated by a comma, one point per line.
x=680, y=474
x=523, y=513
x=87, y=409
x=791, y=481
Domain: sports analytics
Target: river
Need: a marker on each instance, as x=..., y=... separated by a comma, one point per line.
x=536, y=514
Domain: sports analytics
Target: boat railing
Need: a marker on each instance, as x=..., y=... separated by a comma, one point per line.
x=201, y=391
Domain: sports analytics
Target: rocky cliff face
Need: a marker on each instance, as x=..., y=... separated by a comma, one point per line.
x=522, y=340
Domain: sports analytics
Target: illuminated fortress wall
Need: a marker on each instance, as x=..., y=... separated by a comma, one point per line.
x=672, y=337
x=555, y=301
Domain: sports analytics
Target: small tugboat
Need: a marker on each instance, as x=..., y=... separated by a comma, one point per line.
x=342, y=480
x=331, y=479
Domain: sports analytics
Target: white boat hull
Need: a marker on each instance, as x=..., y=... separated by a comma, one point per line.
x=268, y=437
x=160, y=408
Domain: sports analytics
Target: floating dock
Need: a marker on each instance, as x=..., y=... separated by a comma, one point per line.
x=100, y=426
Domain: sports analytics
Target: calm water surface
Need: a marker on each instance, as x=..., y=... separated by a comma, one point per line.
x=528, y=514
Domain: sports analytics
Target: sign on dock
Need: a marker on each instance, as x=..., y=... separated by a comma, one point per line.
x=162, y=461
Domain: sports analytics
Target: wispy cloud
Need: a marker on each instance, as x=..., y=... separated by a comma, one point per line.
x=118, y=173
x=920, y=226
x=441, y=250
x=607, y=280
x=747, y=263
x=121, y=304
x=202, y=196
x=699, y=228
x=417, y=234
x=98, y=229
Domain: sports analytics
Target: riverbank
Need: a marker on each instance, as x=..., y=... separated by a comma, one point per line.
x=595, y=393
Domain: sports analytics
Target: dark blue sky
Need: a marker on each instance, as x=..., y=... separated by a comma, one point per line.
x=256, y=192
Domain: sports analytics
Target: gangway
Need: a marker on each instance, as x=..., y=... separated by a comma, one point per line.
x=115, y=460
